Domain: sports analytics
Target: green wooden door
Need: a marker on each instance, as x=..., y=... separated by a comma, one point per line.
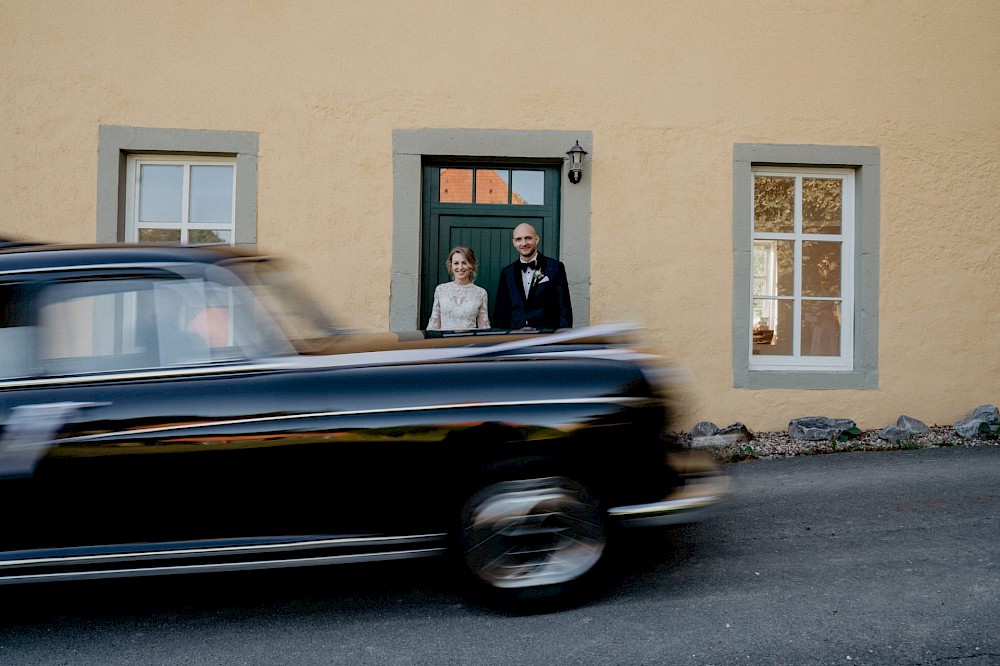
x=478, y=205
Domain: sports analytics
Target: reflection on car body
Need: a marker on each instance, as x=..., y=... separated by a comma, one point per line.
x=170, y=410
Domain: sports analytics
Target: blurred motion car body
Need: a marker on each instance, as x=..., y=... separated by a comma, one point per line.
x=169, y=410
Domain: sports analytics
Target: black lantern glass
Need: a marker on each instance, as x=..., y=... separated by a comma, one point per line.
x=576, y=154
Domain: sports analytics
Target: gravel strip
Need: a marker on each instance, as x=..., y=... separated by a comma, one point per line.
x=783, y=445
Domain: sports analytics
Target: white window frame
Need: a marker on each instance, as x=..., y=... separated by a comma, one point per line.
x=133, y=168
x=796, y=361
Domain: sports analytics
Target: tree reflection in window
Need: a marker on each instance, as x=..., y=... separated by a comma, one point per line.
x=798, y=265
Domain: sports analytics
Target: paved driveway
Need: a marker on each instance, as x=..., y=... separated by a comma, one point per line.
x=860, y=558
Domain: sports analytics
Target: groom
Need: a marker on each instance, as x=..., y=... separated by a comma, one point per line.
x=533, y=291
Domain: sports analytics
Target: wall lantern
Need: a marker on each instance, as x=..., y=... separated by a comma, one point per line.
x=576, y=154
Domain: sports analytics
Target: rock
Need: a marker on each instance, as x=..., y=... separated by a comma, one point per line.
x=905, y=429
x=704, y=429
x=968, y=428
x=910, y=424
x=895, y=434
x=706, y=435
x=985, y=411
x=819, y=428
x=736, y=432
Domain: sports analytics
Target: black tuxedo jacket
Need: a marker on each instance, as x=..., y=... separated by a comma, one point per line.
x=546, y=306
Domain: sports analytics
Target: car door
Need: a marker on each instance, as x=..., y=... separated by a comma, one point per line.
x=102, y=442
x=149, y=422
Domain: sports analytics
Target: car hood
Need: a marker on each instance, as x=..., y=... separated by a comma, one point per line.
x=606, y=341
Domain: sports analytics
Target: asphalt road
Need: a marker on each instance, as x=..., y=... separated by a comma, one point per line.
x=854, y=558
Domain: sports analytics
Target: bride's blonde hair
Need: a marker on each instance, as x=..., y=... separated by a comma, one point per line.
x=468, y=255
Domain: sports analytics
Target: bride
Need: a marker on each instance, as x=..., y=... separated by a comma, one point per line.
x=459, y=304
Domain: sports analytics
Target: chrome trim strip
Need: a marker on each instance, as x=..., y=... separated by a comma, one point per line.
x=92, y=266
x=689, y=503
x=223, y=566
x=223, y=550
x=610, y=354
x=360, y=412
x=664, y=507
x=158, y=373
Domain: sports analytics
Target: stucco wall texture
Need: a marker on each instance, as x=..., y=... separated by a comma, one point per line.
x=667, y=88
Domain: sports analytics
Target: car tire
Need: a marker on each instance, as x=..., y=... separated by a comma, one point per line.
x=532, y=544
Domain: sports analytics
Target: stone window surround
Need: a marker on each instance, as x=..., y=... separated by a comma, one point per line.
x=411, y=147
x=866, y=162
x=116, y=143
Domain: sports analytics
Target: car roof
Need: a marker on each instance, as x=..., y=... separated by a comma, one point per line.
x=17, y=256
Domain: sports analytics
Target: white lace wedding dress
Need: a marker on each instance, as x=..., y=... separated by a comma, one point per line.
x=458, y=307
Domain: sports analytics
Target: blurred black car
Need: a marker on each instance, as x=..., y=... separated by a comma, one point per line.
x=172, y=410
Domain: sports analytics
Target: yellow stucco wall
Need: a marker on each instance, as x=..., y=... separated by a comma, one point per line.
x=667, y=89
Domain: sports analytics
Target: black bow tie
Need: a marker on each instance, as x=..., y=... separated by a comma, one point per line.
x=533, y=265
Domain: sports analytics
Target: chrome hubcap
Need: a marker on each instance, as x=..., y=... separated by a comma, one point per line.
x=532, y=532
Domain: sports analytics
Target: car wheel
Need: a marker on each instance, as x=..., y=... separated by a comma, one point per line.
x=532, y=542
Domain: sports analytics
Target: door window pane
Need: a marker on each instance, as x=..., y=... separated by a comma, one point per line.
x=529, y=187
x=160, y=193
x=774, y=204
x=98, y=326
x=492, y=186
x=456, y=186
x=16, y=332
x=212, y=194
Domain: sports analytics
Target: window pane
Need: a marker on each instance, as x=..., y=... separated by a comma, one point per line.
x=492, y=186
x=205, y=236
x=765, y=312
x=160, y=192
x=772, y=330
x=821, y=205
x=212, y=194
x=820, y=328
x=529, y=188
x=821, y=268
x=774, y=204
x=16, y=332
x=98, y=327
x=774, y=268
x=456, y=186
x=159, y=235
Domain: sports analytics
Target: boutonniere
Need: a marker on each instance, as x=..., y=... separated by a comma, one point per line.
x=538, y=278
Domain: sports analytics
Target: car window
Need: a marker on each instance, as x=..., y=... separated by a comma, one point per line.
x=252, y=326
x=138, y=323
x=109, y=325
x=16, y=333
